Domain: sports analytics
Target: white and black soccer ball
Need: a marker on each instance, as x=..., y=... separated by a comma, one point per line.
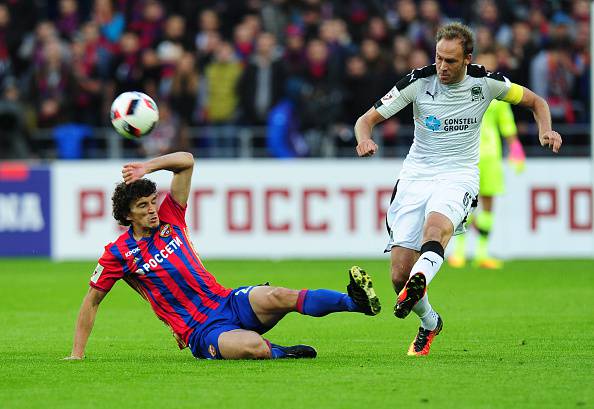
x=134, y=114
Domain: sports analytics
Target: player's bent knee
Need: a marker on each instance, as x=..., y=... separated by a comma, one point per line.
x=257, y=350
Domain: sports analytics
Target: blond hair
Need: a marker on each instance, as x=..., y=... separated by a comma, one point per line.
x=457, y=31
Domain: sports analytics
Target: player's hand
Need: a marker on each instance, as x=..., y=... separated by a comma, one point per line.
x=366, y=148
x=133, y=171
x=551, y=139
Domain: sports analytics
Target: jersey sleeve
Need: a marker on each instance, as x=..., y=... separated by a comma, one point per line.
x=503, y=89
x=403, y=93
x=108, y=271
x=172, y=212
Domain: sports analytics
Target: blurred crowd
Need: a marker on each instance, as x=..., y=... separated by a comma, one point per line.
x=306, y=69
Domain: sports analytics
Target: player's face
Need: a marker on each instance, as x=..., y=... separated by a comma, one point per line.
x=143, y=212
x=450, y=61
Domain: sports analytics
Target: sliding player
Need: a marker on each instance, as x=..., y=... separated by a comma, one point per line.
x=158, y=260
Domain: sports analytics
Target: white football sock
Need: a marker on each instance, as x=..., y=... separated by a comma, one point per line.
x=428, y=263
x=426, y=313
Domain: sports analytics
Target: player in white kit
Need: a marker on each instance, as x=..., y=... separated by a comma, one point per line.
x=438, y=185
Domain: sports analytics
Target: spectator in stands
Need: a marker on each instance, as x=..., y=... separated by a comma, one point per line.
x=294, y=54
x=149, y=26
x=552, y=76
x=208, y=26
x=522, y=50
x=321, y=95
x=175, y=32
x=68, y=21
x=126, y=69
x=377, y=30
x=431, y=19
x=358, y=96
x=87, y=88
x=32, y=48
x=488, y=16
x=484, y=39
x=377, y=66
x=13, y=135
x=169, y=55
x=151, y=72
x=540, y=26
x=401, y=49
x=52, y=86
x=8, y=43
x=405, y=21
x=109, y=46
x=243, y=42
x=183, y=93
x=275, y=18
x=334, y=33
x=262, y=83
x=111, y=22
x=165, y=138
x=221, y=99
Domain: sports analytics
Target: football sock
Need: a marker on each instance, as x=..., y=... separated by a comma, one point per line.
x=318, y=303
x=425, y=312
x=484, y=223
x=429, y=261
x=276, y=351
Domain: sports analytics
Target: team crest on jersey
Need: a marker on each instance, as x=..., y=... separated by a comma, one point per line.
x=165, y=230
x=212, y=350
x=476, y=93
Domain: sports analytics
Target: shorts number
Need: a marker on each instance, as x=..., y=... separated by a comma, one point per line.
x=244, y=290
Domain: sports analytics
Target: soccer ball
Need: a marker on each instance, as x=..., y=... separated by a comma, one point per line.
x=134, y=114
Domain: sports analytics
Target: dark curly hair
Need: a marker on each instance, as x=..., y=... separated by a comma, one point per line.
x=124, y=195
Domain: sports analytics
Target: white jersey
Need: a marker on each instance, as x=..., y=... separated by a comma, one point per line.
x=447, y=120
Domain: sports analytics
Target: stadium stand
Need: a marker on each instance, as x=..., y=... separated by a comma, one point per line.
x=264, y=78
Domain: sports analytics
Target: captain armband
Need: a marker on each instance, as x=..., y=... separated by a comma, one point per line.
x=514, y=95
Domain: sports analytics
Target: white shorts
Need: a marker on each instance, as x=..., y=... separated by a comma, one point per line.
x=413, y=200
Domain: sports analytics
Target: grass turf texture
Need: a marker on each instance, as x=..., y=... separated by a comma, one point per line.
x=517, y=338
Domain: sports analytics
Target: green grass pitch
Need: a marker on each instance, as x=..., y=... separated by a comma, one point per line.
x=518, y=338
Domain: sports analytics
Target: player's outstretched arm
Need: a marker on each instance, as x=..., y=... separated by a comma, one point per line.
x=542, y=116
x=85, y=322
x=363, y=128
x=180, y=163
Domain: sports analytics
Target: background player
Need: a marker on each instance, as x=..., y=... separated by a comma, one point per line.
x=498, y=121
x=158, y=260
x=438, y=183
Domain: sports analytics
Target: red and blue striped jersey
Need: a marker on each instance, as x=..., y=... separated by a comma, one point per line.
x=164, y=269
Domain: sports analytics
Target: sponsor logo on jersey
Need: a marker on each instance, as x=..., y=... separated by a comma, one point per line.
x=431, y=95
x=165, y=230
x=458, y=124
x=133, y=251
x=476, y=93
x=432, y=123
x=97, y=273
x=161, y=256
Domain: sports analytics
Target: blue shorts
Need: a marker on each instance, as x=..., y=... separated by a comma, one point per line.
x=234, y=312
